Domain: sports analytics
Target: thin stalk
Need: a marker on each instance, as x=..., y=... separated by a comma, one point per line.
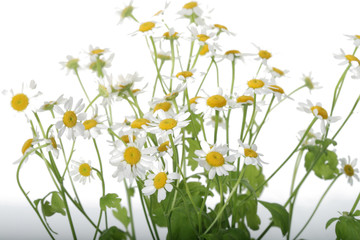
x=263, y=121
x=130, y=211
x=172, y=61
x=202, y=81
x=233, y=77
x=91, y=103
x=216, y=125
x=190, y=55
x=355, y=204
x=82, y=86
x=196, y=57
x=217, y=72
x=299, y=88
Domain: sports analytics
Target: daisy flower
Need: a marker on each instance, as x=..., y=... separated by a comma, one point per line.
x=278, y=92
x=21, y=101
x=171, y=95
x=212, y=120
x=170, y=35
x=166, y=106
x=137, y=125
x=355, y=38
x=257, y=86
x=250, y=154
x=146, y=28
x=71, y=63
x=214, y=159
x=276, y=72
x=70, y=119
x=164, y=145
x=81, y=171
x=97, y=64
x=208, y=104
x=239, y=101
x=93, y=126
x=159, y=181
x=191, y=10
x=222, y=29
x=165, y=124
x=319, y=112
x=234, y=55
x=106, y=90
x=97, y=51
x=126, y=12
x=347, y=58
x=348, y=167
x=310, y=138
x=132, y=160
x=209, y=50
x=53, y=146
x=186, y=75
x=263, y=55
x=28, y=147
x=201, y=35
x=310, y=84
x=48, y=106
x=164, y=56
x=126, y=83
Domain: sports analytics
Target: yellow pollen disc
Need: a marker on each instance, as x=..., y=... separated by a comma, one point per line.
x=160, y=180
x=321, y=111
x=53, y=142
x=147, y=26
x=255, y=83
x=216, y=101
x=174, y=36
x=137, y=123
x=215, y=159
x=250, y=153
x=264, y=54
x=243, y=99
x=349, y=170
x=164, y=106
x=84, y=169
x=278, y=71
x=190, y=5
x=19, y=102
x=167, y=124
x=232, y=52
x=125, y=138
x=352, y=58
x=193, y=100
x=164, y=146
x=70, y=119
x=26, y=145
x=203, y=37
x=185, y=74
x=135, y=90
x=220, y=26
x=97, y=51
x=276, y=88
x=132, y=155
x=88, y=124
x=357, y=36
x=204, y=50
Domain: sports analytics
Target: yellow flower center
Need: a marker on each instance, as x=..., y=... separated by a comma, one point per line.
x=255, y=83
x=352, y=58
x=167, y=124
x=190, y=5
x=147, y=26
x=84, y=169
x=220, y=26
x=250, y=153
x=88, y=124
x=204, y=50
x=232, y=52
x=215, y=159
x=349, y=170
x=164, y=146
x=321, y=111
x=19, y=102
x=216, y=101
x=165, y=106
x=193, y=100
x=278, y=71
x=173, y=36
x=276, y=88
x=97, y=51
x=185, y=74
x=203, y=37
x=243, y=99
x=264, y=54
x=70, y=119
x=125, y=138
x=26, y=145
x=171, y=96
x=357, y=36
x=137, y=123
x=160, y=180
x=53, y=142
x=132, y=155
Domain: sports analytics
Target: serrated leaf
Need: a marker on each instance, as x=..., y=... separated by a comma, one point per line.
x=246, y=209
x=229, y=234
x=182, y=224
x=347, y=228
x=279, y=215
x=193, y=146
x=113, y=233
x=255, y=178
x=194, y=127
x=330, y=222
x=57, y=203
x=121, y=214
x=325, y=167
x=110, y=200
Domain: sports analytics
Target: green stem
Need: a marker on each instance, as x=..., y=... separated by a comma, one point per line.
x=197, y=92
x=216, y=125
x=196, y=57
x=62, y=192
x=355, y=204
x=82, y=86
x=263, y=121
x=252, y=119
x=68, y=161
x=156, y=65
x=190, y=55
x=130, y=211
x=156, y=80
x=91, y=103
x=233, y=77
x=217, y=72
x=299, y=88
x=172, y=62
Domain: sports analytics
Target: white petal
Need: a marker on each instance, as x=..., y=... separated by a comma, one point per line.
x=212, y=173
x=161, y=194
x=148, y=190
x=168, y=187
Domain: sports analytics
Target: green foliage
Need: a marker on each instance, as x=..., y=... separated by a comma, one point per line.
x=255, y=177
x=193, y=146
x=279, y=215
x=110, y=200
x=229, y=234
x=326, y=166
x=121, y=214
x=182, y=223
x=347, y=228
x=246, y=209
x=194, y=127
x=113, y=233
x=57, y=205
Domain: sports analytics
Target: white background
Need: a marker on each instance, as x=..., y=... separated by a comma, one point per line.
x=302, y=35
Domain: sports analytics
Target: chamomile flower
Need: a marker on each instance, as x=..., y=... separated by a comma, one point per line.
x=310, y=137
x=278, y=92
x=165, y=124
x=146, y=28
x=53, y=146
x=71, y=119
x=98, y=64
x=126, y=12
x=202, y=35
x=164, y=145
x=106, y=90
x=125, y=83
x=137, y=125
x=22, y=101
x=211, y=121
x=186, y=75
x=263, y=55
x=27, y=147
x=193, y=102
x=132, y=160
x=347, y=58
x=166, y=106
x=233, y=55
x=170, y=35
x=49, y=105
x=310, y=84
x=214, y=159
x=71, y=64
x=81, y=171
x=164, y=55
x=250, y=154
x=97, y=51
x=93, y=126
x=239, y=101
x=222, y=29
x=348, y=167
x=276, y=72
x=191, y=10
x=159, y=181
x=208, y=50
x=257, y=86
x=171, y=95
x=355, y=38
x=319, y=112
x=208, y=104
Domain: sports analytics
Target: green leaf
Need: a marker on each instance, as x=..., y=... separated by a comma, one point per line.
x=356, y=213
x=326, y=142
x=113, y=233
x=325, y=167
x=330, y=222
x=46, y=209
x=246, y=209
x=255, y=177
x=194, y=127
x=193, y=146
x=229, y=234
x=131, y=191
x=121, y=214
x=57, y=203
x=110, y=200
x=279, y=215
x=36, y=202
x=182, y=224
x=347, y=228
